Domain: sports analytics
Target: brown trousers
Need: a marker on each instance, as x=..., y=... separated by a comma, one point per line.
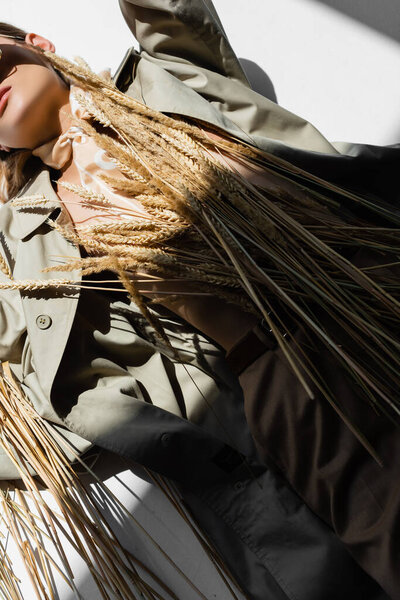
x=319, y=455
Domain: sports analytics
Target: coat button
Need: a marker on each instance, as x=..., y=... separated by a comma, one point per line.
x=238, y=485
x=43, y=321
x=166, y=439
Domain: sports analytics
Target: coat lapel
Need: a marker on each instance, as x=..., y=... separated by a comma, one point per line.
x=49, y=313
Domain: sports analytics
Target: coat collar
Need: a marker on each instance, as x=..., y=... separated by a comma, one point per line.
x=28, y=219
x=141, y=78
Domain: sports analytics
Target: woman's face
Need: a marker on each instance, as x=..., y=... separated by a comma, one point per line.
x=31, y=94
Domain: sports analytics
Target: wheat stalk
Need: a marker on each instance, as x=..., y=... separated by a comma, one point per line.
x=32, y=443
x=287, y=241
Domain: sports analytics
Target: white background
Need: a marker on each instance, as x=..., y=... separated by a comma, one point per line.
x=341, y=72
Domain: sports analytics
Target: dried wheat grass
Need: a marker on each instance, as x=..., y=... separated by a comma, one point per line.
x=287, y=243
x=39, y=454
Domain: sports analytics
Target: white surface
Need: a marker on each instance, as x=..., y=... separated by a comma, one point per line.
x=331, y=69
x=337, y=72
x=94, y=30
x=152, y=512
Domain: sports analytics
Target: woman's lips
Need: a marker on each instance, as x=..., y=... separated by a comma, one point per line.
x=4, y=94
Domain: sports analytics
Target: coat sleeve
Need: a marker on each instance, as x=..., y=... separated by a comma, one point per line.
x=182, y=33
x=185, y=39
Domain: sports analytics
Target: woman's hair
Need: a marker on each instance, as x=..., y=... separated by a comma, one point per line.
x=7, y=30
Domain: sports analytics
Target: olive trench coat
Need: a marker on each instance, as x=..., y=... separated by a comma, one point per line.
x=274, y=544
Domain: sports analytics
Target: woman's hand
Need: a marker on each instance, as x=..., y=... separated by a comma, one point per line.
x=225, y=323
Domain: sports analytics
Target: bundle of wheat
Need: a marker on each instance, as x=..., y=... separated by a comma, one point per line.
x=39, y=454
x=281, y=250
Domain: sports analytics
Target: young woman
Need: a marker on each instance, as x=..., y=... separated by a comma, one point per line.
x=92, y=365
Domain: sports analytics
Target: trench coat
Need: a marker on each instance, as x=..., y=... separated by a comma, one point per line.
x=274, y=544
